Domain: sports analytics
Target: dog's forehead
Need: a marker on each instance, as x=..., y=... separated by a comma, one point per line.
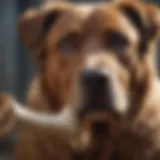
x=75, y=17
x=80, y=12
x=85, y=9
x=81, y=9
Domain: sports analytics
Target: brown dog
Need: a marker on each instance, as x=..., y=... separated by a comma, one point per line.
x=100, y=64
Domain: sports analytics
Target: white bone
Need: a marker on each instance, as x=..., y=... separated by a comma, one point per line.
x=65, y=120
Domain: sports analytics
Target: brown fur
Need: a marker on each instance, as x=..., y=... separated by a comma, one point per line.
x=47, y=90
x=133, y=133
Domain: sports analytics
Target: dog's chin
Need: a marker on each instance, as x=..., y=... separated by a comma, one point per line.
x=98, y=121
x=100, y=128
x=93, y=126
x=97, y=126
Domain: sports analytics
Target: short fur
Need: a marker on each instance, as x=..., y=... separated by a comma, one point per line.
x=136, y=133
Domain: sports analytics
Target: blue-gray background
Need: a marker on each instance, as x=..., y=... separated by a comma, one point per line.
x=16, y=69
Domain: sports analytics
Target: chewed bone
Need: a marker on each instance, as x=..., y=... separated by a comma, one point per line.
x=15, y=113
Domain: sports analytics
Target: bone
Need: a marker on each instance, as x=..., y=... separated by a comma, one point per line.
x=60, y=121
x=63, y=124
x=64, y=121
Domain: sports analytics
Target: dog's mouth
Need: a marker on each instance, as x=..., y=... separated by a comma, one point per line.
x=97, y=112
x=98, y=118
x=100, y=128
x=98, y=123
x=97, y=127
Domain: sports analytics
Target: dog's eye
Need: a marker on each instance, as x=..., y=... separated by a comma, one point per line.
x=69, y=44
x=116, y=42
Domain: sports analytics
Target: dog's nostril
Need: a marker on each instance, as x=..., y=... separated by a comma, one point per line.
x=93, y=78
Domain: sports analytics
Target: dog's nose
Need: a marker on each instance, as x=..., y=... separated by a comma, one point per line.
x=93, y=80
x=94, y=85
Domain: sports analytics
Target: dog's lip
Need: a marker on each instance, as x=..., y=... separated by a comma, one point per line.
x=101, y=118
x=92, y=115
x=99, y=115
x=100, y=128
x=96, y=116
x=97, y=124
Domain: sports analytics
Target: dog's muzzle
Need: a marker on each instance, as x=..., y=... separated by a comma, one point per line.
x=96, y=110
x=96, y=90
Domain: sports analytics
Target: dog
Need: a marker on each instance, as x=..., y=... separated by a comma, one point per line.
x=96, y=72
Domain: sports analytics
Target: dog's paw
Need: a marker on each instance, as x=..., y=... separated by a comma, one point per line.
x=7, y=116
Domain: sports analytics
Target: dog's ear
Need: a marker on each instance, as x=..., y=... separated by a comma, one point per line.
x=35, y=23
x=135, y=13
x=153, y=16
x=144, y=17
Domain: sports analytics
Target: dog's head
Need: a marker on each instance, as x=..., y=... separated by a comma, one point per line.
x=98, y=59
x=118, y=66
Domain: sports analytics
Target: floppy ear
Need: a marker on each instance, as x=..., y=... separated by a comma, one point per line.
x=153, y=16
x=34, y=24
x=134, y=12
x=141, y=17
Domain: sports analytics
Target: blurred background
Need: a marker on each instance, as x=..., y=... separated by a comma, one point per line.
x=16, y=69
